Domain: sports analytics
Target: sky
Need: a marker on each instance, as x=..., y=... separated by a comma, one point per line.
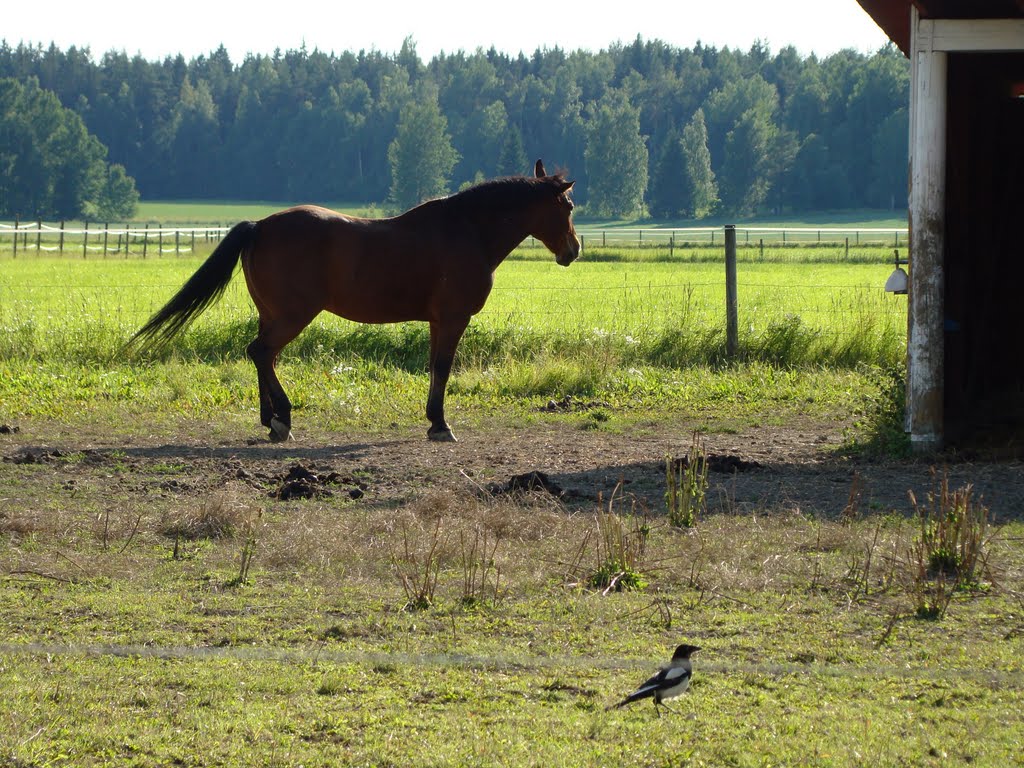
x=194, y=27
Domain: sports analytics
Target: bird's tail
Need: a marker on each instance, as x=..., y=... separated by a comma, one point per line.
x=642, y=694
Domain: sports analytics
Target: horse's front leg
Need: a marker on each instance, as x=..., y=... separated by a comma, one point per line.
x=444, y=338
x=256, y=353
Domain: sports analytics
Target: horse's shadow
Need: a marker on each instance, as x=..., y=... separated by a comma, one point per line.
x=252, y=451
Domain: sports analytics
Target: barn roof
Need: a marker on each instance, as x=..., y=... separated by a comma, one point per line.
x=893, y=16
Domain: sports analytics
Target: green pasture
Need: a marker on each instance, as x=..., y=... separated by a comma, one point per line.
x=228, y=213
x=637, y=332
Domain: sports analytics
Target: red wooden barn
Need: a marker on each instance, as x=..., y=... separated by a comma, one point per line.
x=965, y=346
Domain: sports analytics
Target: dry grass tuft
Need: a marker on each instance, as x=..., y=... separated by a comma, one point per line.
x=20, y=524
x=219, y=516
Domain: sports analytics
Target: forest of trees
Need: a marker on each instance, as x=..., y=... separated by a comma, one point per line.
x=644, y=128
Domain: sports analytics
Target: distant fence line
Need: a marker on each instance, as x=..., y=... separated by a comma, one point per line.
x=128, y=240
x=142, y=241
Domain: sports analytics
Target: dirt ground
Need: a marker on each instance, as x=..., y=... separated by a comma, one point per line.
x=757, y=469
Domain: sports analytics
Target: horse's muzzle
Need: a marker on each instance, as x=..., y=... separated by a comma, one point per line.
x=570, y=252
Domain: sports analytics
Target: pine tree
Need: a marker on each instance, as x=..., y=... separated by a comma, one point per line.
x=513, y=160
x=670, y=194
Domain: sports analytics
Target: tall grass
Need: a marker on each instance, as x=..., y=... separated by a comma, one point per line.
x=611, y=314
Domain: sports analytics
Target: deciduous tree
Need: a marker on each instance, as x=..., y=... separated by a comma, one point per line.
x=421, y=155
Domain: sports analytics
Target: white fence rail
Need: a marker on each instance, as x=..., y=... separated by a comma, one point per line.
x=127, y=240
x=746, y=236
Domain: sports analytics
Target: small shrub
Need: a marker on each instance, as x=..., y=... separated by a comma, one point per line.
x=881, y=427
x=418, y=565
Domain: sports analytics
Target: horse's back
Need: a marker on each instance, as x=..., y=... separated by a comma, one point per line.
x=368, y=270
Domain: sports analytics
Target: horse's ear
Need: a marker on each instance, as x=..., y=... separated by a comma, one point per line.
x=538, y=170
x=566, y=186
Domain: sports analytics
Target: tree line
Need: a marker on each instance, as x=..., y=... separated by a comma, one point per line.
x=645, y=128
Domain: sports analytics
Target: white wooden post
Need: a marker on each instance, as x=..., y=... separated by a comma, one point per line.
x=926, y=327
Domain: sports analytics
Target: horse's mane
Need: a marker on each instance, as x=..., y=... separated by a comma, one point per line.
x=496, y=193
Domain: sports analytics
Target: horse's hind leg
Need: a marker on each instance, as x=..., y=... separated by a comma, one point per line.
x=275, y=407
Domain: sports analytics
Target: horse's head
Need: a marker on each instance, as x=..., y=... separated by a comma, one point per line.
x=552, y=223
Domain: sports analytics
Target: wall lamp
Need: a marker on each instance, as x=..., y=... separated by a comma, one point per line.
x=897, y=282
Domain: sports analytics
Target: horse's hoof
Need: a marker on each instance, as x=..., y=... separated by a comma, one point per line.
x=441, y=435
x=279, y=431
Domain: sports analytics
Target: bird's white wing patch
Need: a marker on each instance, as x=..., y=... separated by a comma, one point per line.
x=675, y=674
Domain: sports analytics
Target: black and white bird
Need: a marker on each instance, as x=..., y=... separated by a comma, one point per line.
x=667, y=683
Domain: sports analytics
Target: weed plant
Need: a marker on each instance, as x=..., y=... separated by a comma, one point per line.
x=950, y=548
x=953, y=530
x=686, y=481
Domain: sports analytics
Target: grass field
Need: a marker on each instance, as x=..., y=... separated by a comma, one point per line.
x=809, y=308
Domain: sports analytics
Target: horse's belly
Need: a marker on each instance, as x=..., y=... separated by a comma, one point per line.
x=369, y=307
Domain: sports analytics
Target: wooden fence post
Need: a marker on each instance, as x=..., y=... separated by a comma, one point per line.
x=85, y=239
x=145, y=240
x=731, y=302
x=60, y=247
x=15, y=237
x=39, y=235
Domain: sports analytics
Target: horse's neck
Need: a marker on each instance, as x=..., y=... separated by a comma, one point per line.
x=502, y=234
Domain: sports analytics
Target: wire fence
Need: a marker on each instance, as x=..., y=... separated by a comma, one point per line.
x=39, y=238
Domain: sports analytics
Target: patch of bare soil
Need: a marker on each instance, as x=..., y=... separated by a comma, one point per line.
x=760, y=469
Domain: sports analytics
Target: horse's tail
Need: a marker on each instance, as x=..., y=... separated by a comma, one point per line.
x=202, y=289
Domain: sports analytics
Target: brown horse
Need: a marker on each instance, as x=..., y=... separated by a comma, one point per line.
x=433, y=263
